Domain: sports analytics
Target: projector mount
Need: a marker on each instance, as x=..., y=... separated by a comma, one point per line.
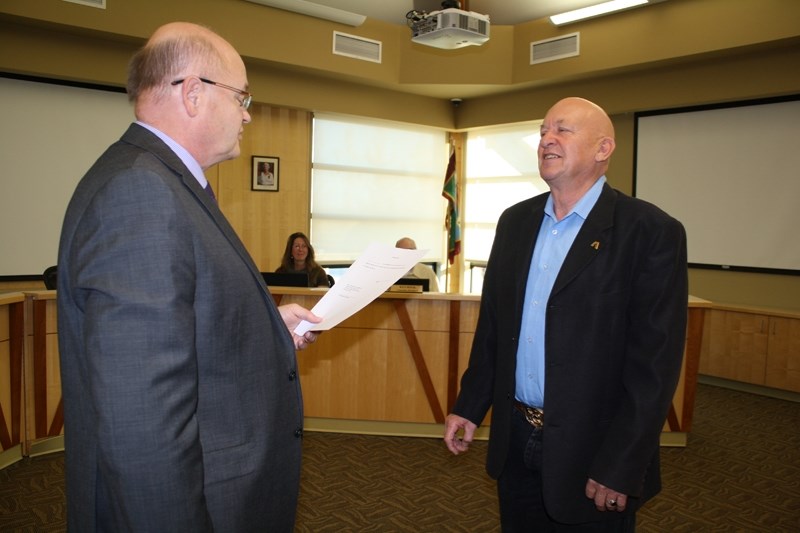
x=416, y=16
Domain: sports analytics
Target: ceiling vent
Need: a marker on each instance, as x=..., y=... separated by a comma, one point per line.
x=557, y=48
x=94, y=3
x=356, y=47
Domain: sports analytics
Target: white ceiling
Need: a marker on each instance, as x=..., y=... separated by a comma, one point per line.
x=503, y=12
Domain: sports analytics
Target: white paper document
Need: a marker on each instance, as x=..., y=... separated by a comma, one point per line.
x=379, y=266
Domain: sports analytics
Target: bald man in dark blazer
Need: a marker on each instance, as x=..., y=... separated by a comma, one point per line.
x=614, y=322
x=183, y=409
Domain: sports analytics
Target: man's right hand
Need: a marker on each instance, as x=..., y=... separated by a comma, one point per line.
x=454, y=423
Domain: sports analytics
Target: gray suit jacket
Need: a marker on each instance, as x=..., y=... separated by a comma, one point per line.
x=614, y=336
x=183, y=409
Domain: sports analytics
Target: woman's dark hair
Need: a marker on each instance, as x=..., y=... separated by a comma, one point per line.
x=288, y=263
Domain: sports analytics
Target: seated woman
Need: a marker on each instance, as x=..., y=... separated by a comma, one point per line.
x=299, y=258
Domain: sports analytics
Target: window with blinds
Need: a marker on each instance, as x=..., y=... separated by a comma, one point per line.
x=376, y=181
x=502, y=169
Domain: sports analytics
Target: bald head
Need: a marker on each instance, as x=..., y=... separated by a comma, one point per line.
x=169, y=51
x=172, y=29
x=191, y=84
x=174, y=51
x=406, y=243
x=577, y=140
x=590, y=115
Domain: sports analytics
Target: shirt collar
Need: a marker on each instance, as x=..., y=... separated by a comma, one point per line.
x=584, y=205
x=190, y=162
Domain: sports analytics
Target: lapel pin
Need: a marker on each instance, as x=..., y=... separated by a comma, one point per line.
x=595, y=245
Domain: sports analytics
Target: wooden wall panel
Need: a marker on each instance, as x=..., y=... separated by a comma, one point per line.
x=263, y=219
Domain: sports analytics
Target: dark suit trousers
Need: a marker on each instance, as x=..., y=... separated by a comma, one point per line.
x=520, y=491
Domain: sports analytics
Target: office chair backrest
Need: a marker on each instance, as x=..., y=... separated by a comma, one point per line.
x=50, y=277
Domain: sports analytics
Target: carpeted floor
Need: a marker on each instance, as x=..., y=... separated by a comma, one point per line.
x=739, y=473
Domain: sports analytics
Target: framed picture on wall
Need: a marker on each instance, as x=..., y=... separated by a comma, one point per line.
x=266, y=173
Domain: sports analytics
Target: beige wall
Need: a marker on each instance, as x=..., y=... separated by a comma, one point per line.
x=290, y=61
x=676, y=53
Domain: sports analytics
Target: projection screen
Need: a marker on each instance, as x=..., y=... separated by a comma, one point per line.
x=50, y=134
x=731, y=174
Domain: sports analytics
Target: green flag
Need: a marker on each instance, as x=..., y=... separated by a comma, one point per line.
x=451, y=221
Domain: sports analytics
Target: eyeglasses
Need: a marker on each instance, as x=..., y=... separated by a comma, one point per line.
x=244, y=102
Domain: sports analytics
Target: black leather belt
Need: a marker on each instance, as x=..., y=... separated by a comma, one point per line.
x=533, y=415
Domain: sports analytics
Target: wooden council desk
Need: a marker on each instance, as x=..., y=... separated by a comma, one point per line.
x=392, y=368
x=12, y=337
x=395, y=366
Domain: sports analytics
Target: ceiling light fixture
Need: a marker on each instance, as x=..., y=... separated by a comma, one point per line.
x=315, y=10
x=597, y=10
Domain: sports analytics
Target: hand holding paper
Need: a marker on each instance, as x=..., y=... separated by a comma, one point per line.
x=379, y=266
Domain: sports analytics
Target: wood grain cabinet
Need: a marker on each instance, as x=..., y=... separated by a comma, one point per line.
x=783, y=354
x=760, y=347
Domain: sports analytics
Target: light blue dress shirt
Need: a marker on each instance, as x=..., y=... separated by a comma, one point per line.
x=190, y=162
x=554, y=241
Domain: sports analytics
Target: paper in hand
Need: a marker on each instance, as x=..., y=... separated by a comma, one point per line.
x=378, y=267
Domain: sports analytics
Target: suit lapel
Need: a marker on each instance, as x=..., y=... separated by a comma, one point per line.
x=529, y=225
x=213, y=210
x=591, y=239
x=526, y=230
x=146, y=140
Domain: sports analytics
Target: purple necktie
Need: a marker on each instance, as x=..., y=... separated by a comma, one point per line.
x=210, y=191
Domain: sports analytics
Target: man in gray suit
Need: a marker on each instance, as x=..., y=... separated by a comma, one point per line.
x=183, y=409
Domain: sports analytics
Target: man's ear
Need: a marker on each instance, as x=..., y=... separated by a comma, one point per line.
x=605, y=149
x=192, y=95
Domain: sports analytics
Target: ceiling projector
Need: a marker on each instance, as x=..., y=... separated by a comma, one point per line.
x=450, y=28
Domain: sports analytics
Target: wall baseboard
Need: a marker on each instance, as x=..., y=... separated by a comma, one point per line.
x=740, y=386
